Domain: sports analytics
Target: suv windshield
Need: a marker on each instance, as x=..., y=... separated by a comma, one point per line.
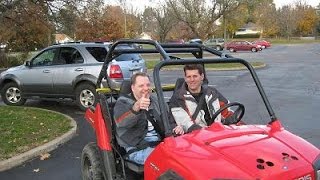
x=128, y=57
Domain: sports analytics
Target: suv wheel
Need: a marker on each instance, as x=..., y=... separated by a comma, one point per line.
x=86, y=96
x=12, y=95
x=218, y=48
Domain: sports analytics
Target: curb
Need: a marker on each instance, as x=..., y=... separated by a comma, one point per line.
x=47, y=147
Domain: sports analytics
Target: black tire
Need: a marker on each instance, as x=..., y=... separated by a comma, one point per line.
x=12, y=95
x=254, y=50
x=218, y=48
x=91, y=163
x=86, y=96
x=232, y=50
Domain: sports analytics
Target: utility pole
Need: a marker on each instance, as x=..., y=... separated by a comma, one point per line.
x=224, y=26
x=124, y=4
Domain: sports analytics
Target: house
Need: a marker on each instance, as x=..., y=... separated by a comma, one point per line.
x=62, y=38
x=144, y=35
x=249, y=30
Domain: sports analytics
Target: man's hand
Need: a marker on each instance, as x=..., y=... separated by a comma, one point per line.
x=142, y=103
x=178, y=130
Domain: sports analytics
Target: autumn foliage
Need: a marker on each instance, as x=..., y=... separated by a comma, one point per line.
x=29, y=25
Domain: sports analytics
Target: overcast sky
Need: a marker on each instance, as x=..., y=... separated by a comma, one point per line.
x=140, y=4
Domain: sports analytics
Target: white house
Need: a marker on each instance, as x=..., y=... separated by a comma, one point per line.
x=62, y=38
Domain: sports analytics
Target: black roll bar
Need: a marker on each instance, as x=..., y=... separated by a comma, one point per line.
x=157, y=84
x=163, y=49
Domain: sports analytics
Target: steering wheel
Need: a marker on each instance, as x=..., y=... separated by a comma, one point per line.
x=237, y=114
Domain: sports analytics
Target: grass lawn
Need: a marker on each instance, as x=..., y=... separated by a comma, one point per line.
x=23, y=128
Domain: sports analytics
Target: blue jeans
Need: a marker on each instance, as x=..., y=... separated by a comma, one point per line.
x=141, y=156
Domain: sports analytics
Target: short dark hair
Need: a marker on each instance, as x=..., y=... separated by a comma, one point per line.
x=134, y=77
x=198, y=67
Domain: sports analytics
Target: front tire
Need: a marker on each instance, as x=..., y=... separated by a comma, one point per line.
x=91, y=163
x=86, y=96
x=12, y=95
x=254, y=50
x=218, y=48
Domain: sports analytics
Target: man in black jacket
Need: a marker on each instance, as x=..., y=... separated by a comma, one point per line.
x=138, y=124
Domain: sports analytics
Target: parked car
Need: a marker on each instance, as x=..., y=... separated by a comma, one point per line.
x=199, y=41
x=67, y=71
x=217, y=44
x=263, y=43
x=242, y=46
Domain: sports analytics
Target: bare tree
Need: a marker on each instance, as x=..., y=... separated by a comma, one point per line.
x=200, y=15
x=164, y=21
x=287, y=20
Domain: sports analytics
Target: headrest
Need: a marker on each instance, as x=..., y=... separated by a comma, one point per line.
x=179, y=83
x=125, y=88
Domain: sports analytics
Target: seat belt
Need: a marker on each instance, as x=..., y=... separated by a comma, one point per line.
x=156, y=126
x=200, y=104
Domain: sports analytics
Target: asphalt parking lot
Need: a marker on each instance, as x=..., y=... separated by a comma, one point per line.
x=290, y=80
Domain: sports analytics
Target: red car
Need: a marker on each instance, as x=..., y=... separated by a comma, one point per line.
x=263, y=43
x=243, y=46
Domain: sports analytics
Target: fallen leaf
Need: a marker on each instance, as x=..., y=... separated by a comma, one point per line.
x=45, y=156
x=36, y=170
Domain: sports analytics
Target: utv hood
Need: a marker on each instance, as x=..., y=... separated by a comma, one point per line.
x=240, y=152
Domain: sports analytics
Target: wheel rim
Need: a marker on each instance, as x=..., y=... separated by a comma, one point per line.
x=88, y=169
x=253, y=49
x=86, y=98
x=13, y=95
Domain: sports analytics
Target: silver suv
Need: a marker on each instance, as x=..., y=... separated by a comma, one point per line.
x=217, y=44
x=67, y=71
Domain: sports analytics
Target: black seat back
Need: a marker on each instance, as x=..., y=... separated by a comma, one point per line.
x=125, y=88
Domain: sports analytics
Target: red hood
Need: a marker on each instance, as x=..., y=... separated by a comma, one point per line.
x=238, y=152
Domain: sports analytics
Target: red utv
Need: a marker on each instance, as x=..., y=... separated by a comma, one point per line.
x=251, y=151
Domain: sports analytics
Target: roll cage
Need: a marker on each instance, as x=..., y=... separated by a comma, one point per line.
x=197, y=50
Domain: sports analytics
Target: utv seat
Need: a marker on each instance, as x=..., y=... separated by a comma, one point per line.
x=125, y=90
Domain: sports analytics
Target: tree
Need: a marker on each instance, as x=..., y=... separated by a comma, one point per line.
x=287, y=21
x=235, y=19
x=306, y=20
x=266, y=17
x=164, y=21
x=29, y=24
x=201, y=15
x=67, y=18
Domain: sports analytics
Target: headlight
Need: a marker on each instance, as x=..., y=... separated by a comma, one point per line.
x=316, y=166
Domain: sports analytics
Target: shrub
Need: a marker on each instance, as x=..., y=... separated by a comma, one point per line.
x=7, y=61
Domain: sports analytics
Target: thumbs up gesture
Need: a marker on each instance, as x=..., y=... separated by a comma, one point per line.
x=142, y=103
